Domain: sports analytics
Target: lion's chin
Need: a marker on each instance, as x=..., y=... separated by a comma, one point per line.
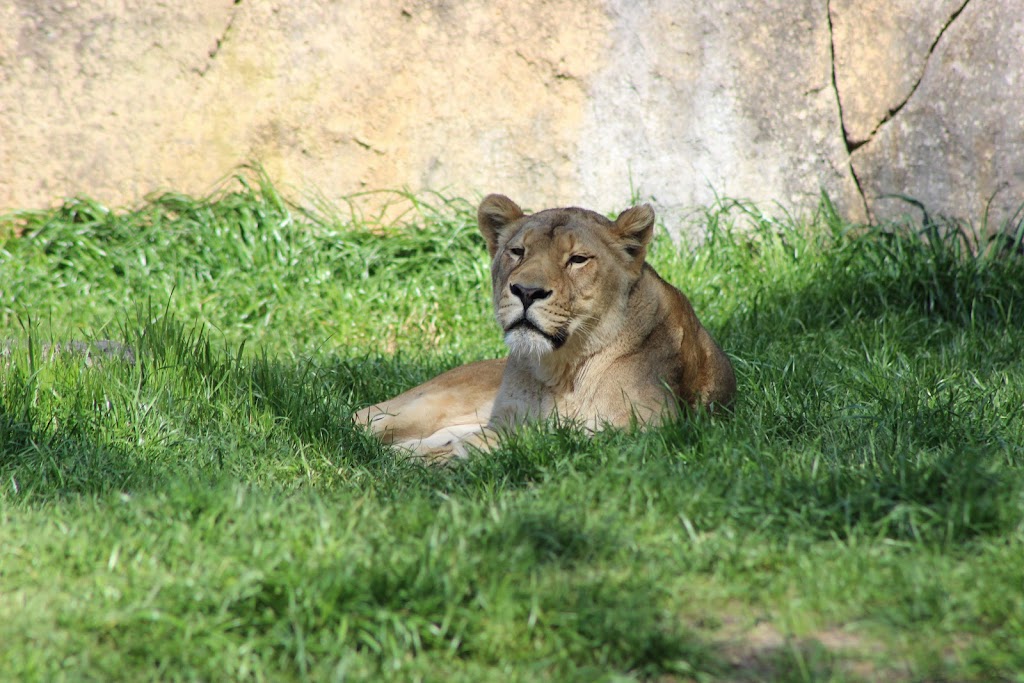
x=525, y=342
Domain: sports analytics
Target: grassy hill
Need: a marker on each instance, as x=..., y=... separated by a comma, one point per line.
x=207, y=512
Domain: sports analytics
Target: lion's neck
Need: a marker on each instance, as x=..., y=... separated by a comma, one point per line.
x=563, y=370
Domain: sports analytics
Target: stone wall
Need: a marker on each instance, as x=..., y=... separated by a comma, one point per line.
x=549, y=101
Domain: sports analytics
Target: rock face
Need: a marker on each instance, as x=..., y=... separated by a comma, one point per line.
x=709, y=98
x=956, y=140
x=549, y=101
x=881, y=50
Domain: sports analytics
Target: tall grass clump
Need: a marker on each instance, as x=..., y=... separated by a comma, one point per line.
x=202, y=508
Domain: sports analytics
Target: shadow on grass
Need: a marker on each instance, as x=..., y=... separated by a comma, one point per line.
x=40, y=463
x=405, y=601
x=884, y=393
x=502, y=597
x=813, y=446
x=900, y=470
x=865, y=273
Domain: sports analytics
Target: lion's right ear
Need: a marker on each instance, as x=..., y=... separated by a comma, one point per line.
x=495, y=213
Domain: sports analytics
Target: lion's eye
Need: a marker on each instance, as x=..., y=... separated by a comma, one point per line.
x=577, y=259
x=517, y=251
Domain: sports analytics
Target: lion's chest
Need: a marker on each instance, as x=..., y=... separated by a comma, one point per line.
x=600, y=396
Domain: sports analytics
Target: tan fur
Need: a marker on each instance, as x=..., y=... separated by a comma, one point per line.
x=594, y=335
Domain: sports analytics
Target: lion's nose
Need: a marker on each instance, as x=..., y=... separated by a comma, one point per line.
x=529, y=294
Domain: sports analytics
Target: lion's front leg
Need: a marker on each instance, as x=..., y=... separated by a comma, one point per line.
x=450, y=444
x=439, y=414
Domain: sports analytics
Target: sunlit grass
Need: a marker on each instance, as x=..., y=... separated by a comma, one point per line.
x=208, y=513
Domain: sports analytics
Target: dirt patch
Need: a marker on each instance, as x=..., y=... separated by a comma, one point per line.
x=754, y=648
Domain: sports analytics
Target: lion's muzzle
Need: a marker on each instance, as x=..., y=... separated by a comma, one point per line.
x=527, y=295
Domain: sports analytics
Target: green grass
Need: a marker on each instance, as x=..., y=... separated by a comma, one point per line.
x=209, y=513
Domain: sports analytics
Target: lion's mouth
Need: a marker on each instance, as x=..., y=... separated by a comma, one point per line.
x=557, y=339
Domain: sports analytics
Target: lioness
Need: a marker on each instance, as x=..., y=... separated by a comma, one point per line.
x=594, y=334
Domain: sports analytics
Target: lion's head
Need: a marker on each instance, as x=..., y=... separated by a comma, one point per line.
x=562, y=277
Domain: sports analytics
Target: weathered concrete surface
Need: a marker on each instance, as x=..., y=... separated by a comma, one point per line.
x=550, y=101
x=330, y=97
x=957, y=145
x=711, y=98
x=95, y=98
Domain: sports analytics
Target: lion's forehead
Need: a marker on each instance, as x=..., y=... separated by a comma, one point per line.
x=559, y=233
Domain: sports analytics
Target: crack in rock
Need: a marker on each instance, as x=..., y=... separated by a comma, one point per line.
x=839, y=105
x=212, y=54
x=852, y=145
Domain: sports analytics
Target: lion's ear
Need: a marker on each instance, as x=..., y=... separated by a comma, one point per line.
x=635, y=227
x=496, y=211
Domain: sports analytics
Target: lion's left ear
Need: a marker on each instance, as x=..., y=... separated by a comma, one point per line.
x=635, y=227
